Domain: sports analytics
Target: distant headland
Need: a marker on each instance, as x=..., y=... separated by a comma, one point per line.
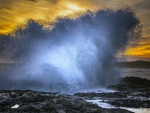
x=134, y=64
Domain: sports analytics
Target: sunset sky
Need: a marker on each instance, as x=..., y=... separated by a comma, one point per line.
x=14, y=13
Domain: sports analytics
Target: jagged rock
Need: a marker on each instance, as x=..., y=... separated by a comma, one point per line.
x=33, y=101
x=129, y=93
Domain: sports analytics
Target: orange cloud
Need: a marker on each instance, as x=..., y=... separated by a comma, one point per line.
x=13, y=13
x=139, y=48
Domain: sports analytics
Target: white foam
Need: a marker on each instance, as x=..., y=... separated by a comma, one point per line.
x=15, y=106
x=97, y=90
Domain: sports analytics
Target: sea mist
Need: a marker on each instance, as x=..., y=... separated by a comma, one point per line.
x=77, y=54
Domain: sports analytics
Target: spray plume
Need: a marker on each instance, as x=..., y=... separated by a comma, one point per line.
x=75, y=55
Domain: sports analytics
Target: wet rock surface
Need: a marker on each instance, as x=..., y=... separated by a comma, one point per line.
x=131, y=92
x=33, y=101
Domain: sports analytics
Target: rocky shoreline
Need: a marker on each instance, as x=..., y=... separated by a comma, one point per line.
x=132, y=92
x=127, y=94
x=32, y=101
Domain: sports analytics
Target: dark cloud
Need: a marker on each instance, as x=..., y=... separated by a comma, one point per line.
x=145, y=4
x=53, y=1
x=145, y=55
x=5, y=7
x=33, y=0
x=6, y=3
x=139, y=45
x=147, y=48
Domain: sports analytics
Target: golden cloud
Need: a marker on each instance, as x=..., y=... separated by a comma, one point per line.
x=14, y=13
x=139, y=48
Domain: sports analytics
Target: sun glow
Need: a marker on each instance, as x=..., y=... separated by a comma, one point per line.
x=74, y=7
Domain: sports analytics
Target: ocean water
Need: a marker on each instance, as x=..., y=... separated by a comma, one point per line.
x=10, y=78
x=137, y=72
x=8, y=70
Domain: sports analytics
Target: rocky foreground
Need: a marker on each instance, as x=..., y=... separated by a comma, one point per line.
x=31, y=101
x=129, y=93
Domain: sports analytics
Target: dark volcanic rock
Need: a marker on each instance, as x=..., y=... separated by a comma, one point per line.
x=136, y=81
x=33, y=101
x=131, y=92
x=132, y=83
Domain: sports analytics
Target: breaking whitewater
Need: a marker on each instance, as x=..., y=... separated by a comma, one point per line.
x=51, y=66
